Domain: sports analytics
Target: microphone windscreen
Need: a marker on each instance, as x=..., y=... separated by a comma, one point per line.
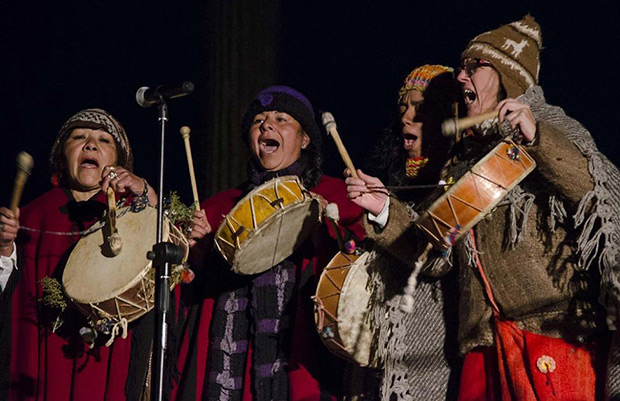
x=140, y=97
x=187, y=87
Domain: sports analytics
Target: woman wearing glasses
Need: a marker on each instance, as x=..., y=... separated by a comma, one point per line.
x=538, y=275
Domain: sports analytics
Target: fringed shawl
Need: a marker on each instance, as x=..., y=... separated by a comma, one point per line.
x=598, y=215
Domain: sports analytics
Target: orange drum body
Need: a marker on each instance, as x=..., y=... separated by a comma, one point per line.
x=117, y=288
x=341, y=305
x=267, y=225
x=475, y=194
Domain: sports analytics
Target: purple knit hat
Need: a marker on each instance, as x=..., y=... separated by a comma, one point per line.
x=288, y=100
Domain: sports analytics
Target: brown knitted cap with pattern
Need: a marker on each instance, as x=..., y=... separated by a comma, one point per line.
x=513, y=50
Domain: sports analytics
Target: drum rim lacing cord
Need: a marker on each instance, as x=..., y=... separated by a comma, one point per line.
x=121, y=325
x=281, y=220
x=92, y=229
x=321, y=326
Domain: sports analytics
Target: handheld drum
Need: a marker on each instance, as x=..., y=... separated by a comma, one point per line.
x=341, y=307
x=267, y=225
x=475, y=194
x=117, y=288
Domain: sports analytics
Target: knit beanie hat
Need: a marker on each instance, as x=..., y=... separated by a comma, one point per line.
x=287, y=100
x=513, y=50
x=93, y=119
x=419, y=78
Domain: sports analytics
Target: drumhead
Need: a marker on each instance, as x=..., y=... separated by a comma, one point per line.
x=353, y=307
x=267, y=225
x=90, y=276
x=276, y=238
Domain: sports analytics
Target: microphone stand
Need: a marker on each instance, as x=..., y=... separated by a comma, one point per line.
x=162, y=255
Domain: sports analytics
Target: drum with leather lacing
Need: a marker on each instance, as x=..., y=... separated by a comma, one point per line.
x=475, y=194
x=267, y=225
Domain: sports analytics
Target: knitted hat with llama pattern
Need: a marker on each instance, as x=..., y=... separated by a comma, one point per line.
x=513, y=50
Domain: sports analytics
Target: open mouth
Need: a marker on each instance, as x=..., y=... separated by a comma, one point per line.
x=409, y=139
x=470, y=96
x=89, y=163
x=269, y=145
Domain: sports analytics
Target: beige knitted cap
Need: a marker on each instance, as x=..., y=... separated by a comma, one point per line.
x=513, y=50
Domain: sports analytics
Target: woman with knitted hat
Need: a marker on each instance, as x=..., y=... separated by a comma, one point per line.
x=412, y=150
x=252, y=336
x=538, y=275
x=417, y=360
x=550, y=337
x=90, y=154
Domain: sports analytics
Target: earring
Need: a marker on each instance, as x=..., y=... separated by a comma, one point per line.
x=303, y=145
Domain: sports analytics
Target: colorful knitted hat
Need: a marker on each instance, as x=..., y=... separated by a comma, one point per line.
x=513, y=50
x=93, y=119
x=419, y=78
x=288, y=100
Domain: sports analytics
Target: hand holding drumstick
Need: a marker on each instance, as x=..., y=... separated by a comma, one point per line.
x=9, y=225
x=200, y=225
x=364, y=190
x=9, y=217
x=517, y=113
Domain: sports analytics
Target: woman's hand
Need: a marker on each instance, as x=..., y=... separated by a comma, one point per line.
x=200, y=227
x=122, y=180
x=9, y=225
x=366, y=191
x=519, y=115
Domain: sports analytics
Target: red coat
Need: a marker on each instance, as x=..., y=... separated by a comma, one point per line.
x=58, y=366
x=308, y=357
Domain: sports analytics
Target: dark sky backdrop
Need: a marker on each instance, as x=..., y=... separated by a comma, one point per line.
x=349, y=57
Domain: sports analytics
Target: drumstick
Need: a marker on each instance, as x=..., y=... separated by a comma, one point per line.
x=452, y=125
x=332, y=213
x=114, y=239
x=24, y=168
x=330, y=126
x=190, y=163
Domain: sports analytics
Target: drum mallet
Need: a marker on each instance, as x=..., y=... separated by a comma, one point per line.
x=190, y=163
x=332, y=214
x=330, y=125
x=453, y=125
x=114, y=240
x=24, y=168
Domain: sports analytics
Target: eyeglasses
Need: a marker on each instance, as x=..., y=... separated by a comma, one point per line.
x=471, y=65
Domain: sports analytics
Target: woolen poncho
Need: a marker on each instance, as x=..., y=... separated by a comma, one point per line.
x=59, y=366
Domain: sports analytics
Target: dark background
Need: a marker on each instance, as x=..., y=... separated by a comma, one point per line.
x=348, y=57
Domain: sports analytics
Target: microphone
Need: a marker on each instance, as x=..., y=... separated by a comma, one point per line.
x=147, y=97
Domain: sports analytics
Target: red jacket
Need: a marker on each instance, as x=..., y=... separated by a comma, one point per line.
x=57, y=366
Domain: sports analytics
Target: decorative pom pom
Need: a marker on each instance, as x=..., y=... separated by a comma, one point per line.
x=350, y=246
x=332, y=212
x=187, y=276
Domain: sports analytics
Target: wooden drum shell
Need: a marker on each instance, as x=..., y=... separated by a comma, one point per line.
x=475, y=194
